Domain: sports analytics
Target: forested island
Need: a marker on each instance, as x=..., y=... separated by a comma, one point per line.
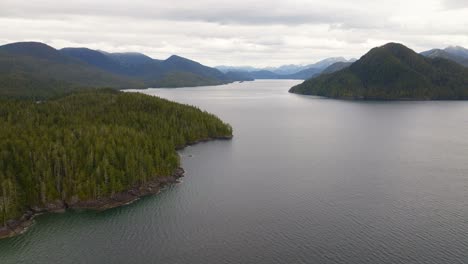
x=392, y=72
x=91, y=149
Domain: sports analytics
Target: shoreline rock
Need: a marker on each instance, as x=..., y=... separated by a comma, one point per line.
x=18, y=226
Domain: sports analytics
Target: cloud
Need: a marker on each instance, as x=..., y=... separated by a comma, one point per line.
x=255, y=32
x=235, y=12
x=455, y=4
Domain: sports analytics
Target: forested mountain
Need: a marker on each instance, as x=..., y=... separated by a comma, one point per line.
x=90, y=146
x=95, y=58
x=37, y=70
x=154, y=73
x=392, y=72
x=32, y=69
x=129, y=59
x=456, y=54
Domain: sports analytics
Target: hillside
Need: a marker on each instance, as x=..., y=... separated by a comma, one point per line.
x=392, y=72
x=95, y=149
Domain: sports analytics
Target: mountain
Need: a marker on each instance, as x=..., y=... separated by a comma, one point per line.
x=323, y=64
x=34, y=50
x=457, y=50
x=93, y=57
x=239, y=76
x=292, y=71
x=226, y=69
x=176, y=63
x=175, y=71
x=265, y=74
x=329, y=65
x=392, y=72
x=250, y=76
x=129, y=59
x=456, y=54
x=304, y=74
x=33, y=69
x=337, y=66
x=287, y=69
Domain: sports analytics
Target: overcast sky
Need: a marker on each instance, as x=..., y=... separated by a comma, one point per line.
x=237, y=32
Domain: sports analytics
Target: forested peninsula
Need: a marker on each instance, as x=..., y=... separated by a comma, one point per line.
x=91, y=149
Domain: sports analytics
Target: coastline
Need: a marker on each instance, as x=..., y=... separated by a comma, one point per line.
x=18, y=226
x=379, y=99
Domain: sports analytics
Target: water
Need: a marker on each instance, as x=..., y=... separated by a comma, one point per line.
x=305, y=180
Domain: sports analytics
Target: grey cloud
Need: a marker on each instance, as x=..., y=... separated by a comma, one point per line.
x=244, y=12
x=455, y=4
x=256, y=32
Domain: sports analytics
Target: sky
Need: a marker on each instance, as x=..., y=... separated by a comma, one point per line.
x=258, y=33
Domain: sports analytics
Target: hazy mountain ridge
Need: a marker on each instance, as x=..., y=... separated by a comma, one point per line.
x=336, y=67
x=392, y=72
x=454, y=53
x=457, y=50
x=292, y=71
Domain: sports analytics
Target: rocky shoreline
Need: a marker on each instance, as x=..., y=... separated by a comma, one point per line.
x=19, y=226
x=204, y=140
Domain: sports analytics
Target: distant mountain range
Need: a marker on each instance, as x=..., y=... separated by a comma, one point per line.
x=300, y=72
x=393, y=72
x=454, y=53
x=34, y=69
x=326, y=66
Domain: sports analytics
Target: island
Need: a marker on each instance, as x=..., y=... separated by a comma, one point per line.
x=392, y=72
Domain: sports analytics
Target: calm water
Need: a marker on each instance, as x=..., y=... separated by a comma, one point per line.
x=305, y=180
